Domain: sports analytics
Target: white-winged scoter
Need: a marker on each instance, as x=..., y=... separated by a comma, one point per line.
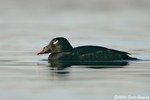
x=61, y=49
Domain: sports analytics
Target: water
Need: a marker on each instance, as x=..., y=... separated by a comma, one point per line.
x=27, y=26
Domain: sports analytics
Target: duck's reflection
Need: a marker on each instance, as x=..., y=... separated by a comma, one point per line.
x=61, y=65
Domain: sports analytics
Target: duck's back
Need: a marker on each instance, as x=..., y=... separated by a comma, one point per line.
x=97, y=53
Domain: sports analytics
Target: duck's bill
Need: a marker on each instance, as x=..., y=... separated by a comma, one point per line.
x=41, y=52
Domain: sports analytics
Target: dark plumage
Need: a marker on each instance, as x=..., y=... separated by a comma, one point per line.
x=61, y=50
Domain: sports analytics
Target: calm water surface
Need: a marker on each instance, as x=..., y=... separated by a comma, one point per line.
x=25, y=31
x=24, y=75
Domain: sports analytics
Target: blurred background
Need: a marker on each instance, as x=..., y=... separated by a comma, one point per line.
x=26, y=26
x=101, y=22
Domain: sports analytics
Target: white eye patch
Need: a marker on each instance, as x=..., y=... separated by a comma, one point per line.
x=55, y=42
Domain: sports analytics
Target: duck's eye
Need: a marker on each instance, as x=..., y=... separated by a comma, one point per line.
x=55, y=42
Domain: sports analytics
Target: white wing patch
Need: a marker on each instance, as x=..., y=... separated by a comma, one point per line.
x=55, y=42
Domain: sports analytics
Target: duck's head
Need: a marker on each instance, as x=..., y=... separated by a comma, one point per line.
x=59, y=44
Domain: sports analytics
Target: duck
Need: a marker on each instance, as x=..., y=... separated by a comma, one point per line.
x=60, y=49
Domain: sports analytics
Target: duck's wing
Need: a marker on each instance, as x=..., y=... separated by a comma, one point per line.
x=88, y=49
x=123, y=52
x=99, y=53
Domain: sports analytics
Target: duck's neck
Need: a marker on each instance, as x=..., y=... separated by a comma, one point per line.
x=67, y=48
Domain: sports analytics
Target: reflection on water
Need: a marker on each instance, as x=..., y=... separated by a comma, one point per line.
x=38, y=78
x=60, y=65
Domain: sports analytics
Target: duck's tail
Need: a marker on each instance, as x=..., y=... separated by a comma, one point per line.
x=132, y=58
